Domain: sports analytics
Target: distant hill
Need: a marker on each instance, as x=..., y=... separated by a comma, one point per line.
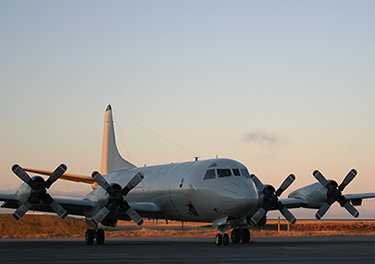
x=52, y=226
x=39, y=226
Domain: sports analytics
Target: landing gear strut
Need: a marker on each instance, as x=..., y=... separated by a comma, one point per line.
x=92, y=234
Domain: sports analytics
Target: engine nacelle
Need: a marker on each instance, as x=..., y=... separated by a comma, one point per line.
x=315, y=194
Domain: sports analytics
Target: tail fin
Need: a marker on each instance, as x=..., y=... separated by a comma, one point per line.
x=111, y=158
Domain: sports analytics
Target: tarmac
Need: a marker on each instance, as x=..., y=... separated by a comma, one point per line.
x=333, y=249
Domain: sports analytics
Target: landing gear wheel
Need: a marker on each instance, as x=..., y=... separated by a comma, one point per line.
x=235, y=236
x=89, y=236
x=218, y=240
x=100, y=238
x=225, y=240
x=245, y=236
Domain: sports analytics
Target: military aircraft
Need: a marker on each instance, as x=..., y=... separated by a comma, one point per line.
x=218, y=191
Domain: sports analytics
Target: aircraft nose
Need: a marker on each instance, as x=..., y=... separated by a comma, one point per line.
x=239, y=196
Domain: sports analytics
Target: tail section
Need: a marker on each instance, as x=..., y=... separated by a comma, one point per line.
x=111, y=158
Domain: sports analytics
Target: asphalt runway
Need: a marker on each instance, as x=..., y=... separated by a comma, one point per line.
x=335, y=249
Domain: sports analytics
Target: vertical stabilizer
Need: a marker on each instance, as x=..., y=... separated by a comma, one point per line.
x=111, y=158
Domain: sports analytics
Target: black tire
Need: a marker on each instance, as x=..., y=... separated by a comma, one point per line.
x=100, y=237
x=89, y=236
x=245, y=236
x=235, y=236
x=225, y=240
x=219, y=240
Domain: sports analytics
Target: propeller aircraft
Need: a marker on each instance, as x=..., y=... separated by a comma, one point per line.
x=217, y=191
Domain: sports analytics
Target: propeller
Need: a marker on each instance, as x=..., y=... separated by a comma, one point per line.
x=270, y=199
x=38, y=191
x=334, y=193
x=116, y=198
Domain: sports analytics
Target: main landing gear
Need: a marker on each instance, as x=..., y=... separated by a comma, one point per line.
x=94, y=234
x=238, y=235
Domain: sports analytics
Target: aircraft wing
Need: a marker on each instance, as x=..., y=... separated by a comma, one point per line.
x=65, y=176
x=72, y=206
x=355, y=199
x=79, y=206
x=9, y=197
x=294, y=203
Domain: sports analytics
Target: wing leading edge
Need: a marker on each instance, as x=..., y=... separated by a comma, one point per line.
x=65, y=176
x=301, y=202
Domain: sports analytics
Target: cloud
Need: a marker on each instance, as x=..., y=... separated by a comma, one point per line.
x=264, y=138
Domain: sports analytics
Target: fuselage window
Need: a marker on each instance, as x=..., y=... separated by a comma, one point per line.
x=210, y=174
x=224, y=173
x=245, y=173
x=236, y=172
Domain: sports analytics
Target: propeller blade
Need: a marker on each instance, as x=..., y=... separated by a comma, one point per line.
x=322, y=210
x=257, y=216
x=102, y=182
x=100, y=216
x=23, y=175
x=288, y=215
x=320, y=178
x=347, y=179
x=132, y=183
x=257, y=182
x=21, y=211
x=132, y=213
x=59, y=171
x=287, y=182
x=116, y=198
x=350, y=208
x=55, y=206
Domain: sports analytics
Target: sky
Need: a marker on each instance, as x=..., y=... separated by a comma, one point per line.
x=281, y=86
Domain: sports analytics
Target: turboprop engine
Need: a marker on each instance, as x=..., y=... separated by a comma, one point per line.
x=34, y=191
x=324, y=193
x=269, y=200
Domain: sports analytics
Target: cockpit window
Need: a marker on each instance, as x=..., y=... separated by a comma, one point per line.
x=210, y=174
x=224, y=173
x=236, y=172
x=245, y=173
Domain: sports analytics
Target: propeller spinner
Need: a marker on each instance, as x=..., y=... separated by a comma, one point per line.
x=334, y=193
x=270, y=199
x=38, y=191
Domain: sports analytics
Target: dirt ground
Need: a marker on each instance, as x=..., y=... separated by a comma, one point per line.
x=49, y=226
